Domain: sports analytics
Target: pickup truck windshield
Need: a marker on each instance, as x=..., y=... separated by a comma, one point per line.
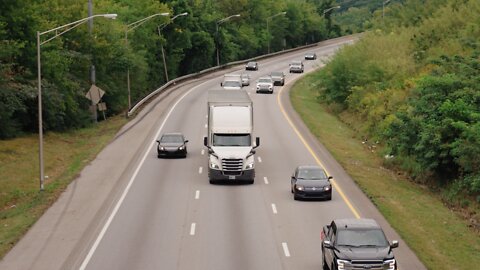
x=231, y=140
x=361, y=238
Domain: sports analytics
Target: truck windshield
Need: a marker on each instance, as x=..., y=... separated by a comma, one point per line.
x=361, y=237
x=231, y=140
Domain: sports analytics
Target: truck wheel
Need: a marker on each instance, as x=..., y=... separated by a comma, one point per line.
x=324, y=265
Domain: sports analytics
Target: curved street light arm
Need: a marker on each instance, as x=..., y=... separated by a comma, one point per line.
x=228, y=18
x=73, y=25
x=278, y=14
x=136, y=24
x=328, y=9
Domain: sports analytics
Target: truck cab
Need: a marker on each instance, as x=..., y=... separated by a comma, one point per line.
x=230, y=143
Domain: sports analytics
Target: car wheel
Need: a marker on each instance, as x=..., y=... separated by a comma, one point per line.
x=283, y=83
x=295, y=196
x=251, y=181
x=291, y=188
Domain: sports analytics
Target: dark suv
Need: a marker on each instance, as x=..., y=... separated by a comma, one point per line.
x=356, y=244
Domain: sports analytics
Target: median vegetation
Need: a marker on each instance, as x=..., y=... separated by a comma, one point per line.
x=410, y=91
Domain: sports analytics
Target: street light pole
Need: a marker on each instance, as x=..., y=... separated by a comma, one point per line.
x=383, y=7
x=160, y=27
x=268, y=30
x=328, y=9
x=216, y=33
x=132, y=27
x=63, y=29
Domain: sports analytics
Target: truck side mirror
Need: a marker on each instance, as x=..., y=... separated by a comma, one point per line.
x=257, y=142
x=158, y=141
x=221, y=84
x=205, y=141
x=327, y=244
x=394, y=244
x=330, y=177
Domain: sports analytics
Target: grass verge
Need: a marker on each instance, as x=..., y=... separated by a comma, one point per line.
x=439, y=237
x=65, y=155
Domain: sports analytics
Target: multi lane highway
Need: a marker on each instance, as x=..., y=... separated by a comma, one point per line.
x=163, y=213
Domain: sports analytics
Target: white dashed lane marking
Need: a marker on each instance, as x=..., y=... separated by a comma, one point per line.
x=203, y=152
x=265, y=179
x=200, y=170
x=192, y=229
x=285, y=249
x=197, y=194
x=274, y=208
x=259, y=159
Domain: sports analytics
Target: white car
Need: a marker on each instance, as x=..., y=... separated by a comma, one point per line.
x=245, y=79
x=265, y=84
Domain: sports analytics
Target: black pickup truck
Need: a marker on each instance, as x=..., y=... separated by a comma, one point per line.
x=349, y=244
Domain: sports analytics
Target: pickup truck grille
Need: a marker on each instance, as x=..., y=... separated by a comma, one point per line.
x=232, y=166
x=367, y=264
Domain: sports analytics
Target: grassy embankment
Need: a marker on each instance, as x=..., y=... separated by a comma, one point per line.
x=65, y=155
x=440, y=238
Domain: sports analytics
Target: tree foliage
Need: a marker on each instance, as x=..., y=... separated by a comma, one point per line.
x=189, y=44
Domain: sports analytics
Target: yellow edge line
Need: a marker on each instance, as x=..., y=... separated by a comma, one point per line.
x=337, y=187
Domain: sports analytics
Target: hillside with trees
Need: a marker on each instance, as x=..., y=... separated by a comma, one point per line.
x=189, y=43
x=412, y=84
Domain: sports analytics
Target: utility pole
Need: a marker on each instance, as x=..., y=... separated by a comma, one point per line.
x=92, y=66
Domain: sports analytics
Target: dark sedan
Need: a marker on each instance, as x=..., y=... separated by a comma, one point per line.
x=278, y=78
x=172, y=145
x=311, y=182
x=251, y=66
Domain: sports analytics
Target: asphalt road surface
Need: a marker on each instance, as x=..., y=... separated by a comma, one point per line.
x=131, y=210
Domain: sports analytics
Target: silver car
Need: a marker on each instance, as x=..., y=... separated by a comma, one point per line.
x=296, y=66
x=278, y=77
x=245, y=79
x=265, y=85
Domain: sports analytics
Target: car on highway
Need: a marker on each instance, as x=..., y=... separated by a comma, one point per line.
x=245, y=79
x=296, y=67
x=278, y=78
x=265, y=85
x=311, y=182
x=310, y=56
x=251, y=66
x=172, y=145
x=356, y=244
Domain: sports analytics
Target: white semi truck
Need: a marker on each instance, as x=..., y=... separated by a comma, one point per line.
x=231, y=154
x=232, y=82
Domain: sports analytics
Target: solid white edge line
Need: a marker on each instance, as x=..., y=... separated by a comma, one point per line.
x=197, y=194
x=192, y=229
x=200, y=170
x=274, y=208
x=285, y=249
x=265, y=179
x=132, y=179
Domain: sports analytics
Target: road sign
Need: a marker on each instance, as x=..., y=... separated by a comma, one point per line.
x=95, y=94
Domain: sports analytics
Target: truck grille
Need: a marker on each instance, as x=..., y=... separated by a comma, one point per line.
x=232, y=166
x=367, y=264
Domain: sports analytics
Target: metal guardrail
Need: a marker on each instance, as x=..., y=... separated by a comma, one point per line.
x=215, y=68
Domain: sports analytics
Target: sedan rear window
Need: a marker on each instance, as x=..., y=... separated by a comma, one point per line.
x=311, y=174
x=171, y=139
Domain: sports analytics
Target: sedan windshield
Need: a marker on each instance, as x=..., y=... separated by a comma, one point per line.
x=231, y=140
x=361, y=237
x=312, y=174
x=171, y=139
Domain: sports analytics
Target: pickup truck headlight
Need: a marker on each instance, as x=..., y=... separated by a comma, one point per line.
x=342, y=264
x=214, y=166
x=249, y=166
x=389, y=264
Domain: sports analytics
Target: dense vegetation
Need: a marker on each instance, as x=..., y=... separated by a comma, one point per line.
x=189, y=44
x=414, y=82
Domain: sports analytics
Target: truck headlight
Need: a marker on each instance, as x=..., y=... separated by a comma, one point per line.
x=389, y=264
x=214, y=166
x=249, y=166
x=342, y=264
x=162, y=148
